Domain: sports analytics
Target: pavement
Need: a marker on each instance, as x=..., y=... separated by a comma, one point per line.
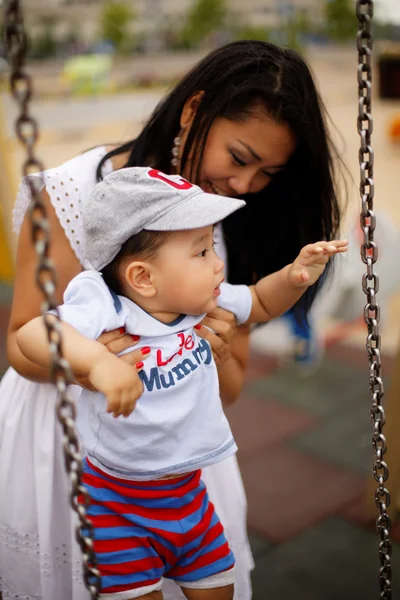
x=305, y=455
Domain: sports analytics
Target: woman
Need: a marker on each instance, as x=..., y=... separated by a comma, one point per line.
x=246, y=121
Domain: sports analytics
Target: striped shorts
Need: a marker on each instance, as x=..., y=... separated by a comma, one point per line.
x=147, y=530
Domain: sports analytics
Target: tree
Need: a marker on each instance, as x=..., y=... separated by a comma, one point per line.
x=114, y=22
x=44, y=45
x=205, y=17
x=341, y=22
x=386, y=31
x=296, y=29
x=250, y=32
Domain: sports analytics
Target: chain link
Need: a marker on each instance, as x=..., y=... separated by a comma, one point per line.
x=370, y=286
x=27, y=131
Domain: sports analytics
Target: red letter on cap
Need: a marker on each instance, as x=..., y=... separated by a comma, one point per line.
x=182, y=184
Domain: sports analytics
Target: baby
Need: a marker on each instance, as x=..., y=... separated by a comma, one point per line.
x=149, y=240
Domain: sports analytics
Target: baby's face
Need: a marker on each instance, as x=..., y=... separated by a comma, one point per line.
x=188, y=272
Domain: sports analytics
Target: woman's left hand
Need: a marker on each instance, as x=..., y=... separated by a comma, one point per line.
x=223, y=326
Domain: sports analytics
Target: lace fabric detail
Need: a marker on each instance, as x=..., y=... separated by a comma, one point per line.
x=11, y=596
x=67, y=186
x=77, y=572
x=14, y=543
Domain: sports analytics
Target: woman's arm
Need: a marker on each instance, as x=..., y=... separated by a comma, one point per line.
x=27, y=298
x=233, y=372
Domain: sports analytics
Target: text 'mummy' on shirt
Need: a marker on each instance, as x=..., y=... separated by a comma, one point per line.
x=178, y=424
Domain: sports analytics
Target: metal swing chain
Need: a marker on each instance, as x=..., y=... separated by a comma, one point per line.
x=27, y=131
x=370, y=286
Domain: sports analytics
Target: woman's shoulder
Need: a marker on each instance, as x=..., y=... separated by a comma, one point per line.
x=67, y=186
x=81, y=167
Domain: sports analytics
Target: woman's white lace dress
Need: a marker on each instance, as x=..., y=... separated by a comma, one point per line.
x=39, y=558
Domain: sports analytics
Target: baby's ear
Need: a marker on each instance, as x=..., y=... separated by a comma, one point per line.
x=138, y=278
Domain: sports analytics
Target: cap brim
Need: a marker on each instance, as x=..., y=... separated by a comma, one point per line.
x=197, y=211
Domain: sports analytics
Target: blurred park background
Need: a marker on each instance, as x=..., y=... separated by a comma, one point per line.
x=99, y=67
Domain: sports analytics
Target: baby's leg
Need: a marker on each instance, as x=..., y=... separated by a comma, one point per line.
x=220, y=593
x=206, y=566
x=156, y=595
x=216, y=587
x=151, y=596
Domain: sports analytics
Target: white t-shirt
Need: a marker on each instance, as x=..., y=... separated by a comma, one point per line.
x=178, y=423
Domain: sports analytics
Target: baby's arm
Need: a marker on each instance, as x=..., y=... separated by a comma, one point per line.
x=80, y=352
x=273, y=295
x=107, y=373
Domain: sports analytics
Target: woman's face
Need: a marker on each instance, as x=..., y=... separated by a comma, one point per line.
x=242, y=157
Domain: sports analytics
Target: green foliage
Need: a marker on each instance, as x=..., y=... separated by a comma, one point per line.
x=249, y=32
x=340, y=17
x=203, y=18
x=294, y=30
x=114, y=23
x=44, y=45
x=290, y=33
x=385, y=31
x=302, y=22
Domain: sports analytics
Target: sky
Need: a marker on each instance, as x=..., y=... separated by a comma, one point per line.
x=388, y=10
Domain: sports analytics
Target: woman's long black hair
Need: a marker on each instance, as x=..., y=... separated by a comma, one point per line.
x=300, y=205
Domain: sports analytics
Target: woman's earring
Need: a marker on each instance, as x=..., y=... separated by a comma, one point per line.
x=175, y=151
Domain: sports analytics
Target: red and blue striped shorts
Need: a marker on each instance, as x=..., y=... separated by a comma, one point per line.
x=147, y=530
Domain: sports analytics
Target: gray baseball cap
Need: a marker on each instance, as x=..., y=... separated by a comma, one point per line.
x=136, y=198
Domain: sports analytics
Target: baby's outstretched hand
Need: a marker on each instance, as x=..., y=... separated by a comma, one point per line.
x=119, y=382
x=310, y=264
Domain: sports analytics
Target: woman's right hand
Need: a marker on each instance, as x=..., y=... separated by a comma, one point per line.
x=117, y=341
